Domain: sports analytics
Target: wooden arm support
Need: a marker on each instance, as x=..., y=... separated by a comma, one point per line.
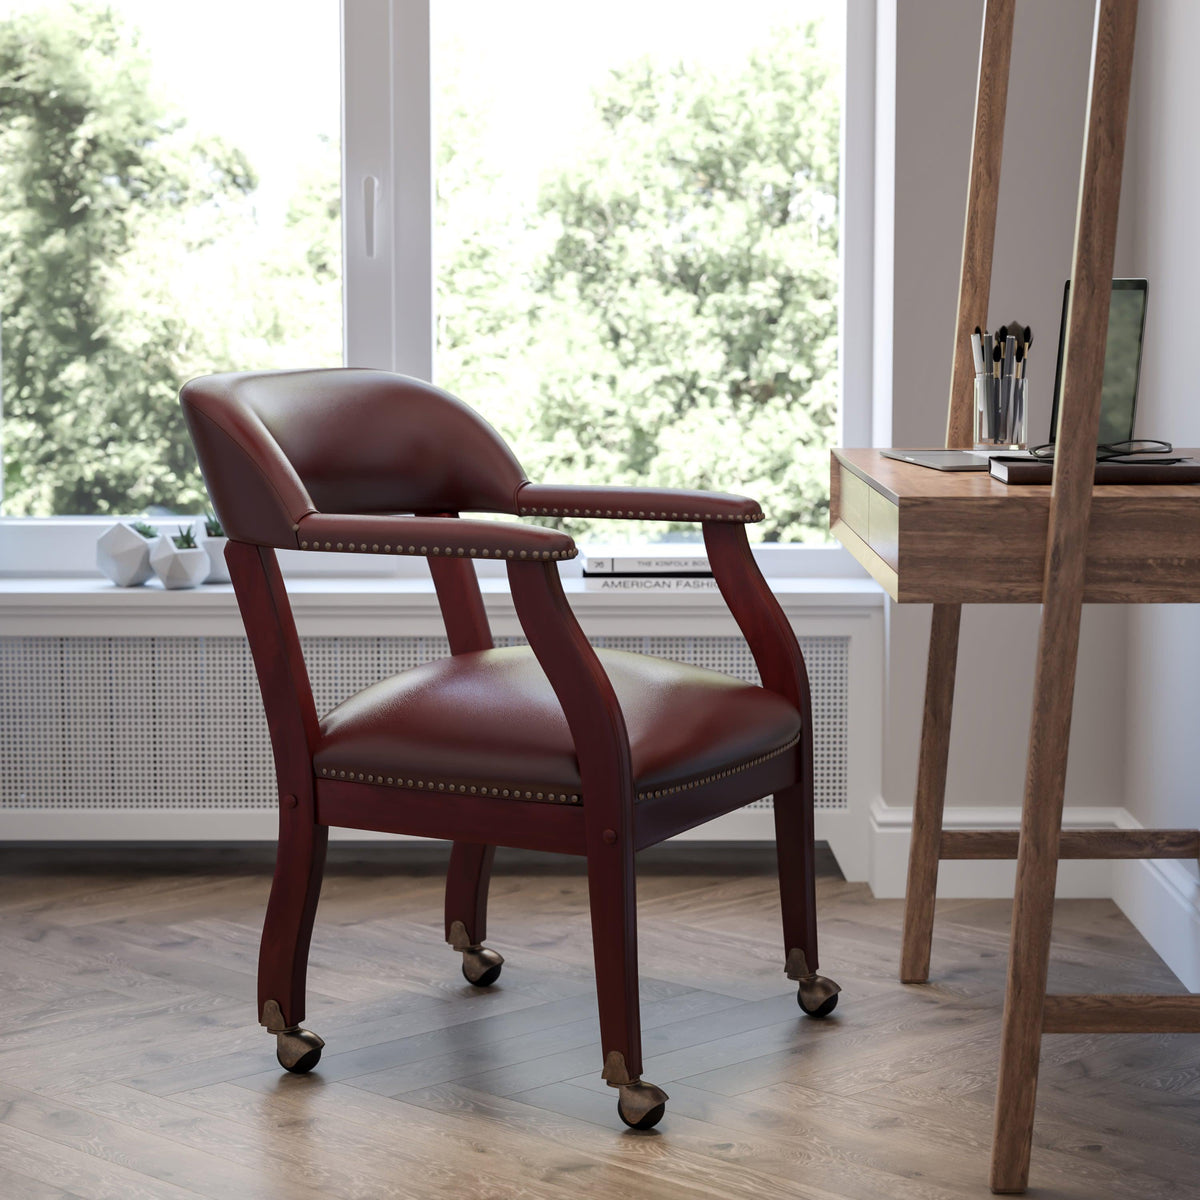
x=431, y=537
x=585, y=692
x=763, y=623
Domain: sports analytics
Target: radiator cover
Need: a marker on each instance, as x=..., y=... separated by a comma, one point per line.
x=164, y=723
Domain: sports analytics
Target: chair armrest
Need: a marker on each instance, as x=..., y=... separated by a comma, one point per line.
x=763, y=622
x=634, y=504
x=431, y=537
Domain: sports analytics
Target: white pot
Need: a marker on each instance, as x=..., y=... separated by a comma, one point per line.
x=178, y=568
x=123, y=555
x=218, y=570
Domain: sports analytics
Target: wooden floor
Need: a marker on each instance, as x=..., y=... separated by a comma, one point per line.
x=131, y=1066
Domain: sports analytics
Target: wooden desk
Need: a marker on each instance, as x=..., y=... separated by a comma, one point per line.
x=962, y=537
x=953, y=538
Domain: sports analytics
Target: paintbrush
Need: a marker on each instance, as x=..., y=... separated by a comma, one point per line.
x=1006, y=386
x=977, y=349
x=994, y=396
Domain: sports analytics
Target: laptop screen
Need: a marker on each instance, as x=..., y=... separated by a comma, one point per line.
x=1122, y=360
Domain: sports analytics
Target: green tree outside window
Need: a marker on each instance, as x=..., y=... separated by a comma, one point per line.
x=665, y=313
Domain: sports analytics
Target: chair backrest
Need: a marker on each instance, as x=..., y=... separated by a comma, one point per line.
x=277, y=445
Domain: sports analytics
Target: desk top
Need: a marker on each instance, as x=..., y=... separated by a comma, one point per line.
x=901, y=481
x=963, y=537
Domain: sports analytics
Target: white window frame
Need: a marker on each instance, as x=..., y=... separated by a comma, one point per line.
x=388, y=281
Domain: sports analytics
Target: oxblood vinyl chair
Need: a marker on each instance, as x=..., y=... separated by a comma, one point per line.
x=555, y=747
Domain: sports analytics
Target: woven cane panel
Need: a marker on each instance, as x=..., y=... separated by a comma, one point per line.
x=176, y=722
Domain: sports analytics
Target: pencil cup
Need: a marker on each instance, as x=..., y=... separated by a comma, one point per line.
x=1000, y=414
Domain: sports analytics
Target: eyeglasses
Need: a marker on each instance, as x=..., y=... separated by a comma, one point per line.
x=1115, y=452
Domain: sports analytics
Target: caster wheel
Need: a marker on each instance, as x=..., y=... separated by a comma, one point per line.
x=298, y=1050
x=481, y=966
x=822, y=1010
x=817, y=996
x=641, y=1105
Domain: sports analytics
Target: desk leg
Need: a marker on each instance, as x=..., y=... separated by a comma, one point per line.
x=931, y=794
x=1033, y=908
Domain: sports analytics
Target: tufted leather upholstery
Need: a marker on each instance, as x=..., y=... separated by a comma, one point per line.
x=489, y=721
x=277, y=445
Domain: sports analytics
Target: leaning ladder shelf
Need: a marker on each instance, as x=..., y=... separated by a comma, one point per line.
x=1028, y=1011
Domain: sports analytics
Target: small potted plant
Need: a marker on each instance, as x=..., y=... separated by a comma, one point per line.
x=214, y=542
x=123, y=553
x=178, y=561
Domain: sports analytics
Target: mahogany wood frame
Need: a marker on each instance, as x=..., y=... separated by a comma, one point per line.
x=607, y=828
x=1041, y=843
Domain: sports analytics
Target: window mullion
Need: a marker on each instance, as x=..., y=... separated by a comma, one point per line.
x=387, y=186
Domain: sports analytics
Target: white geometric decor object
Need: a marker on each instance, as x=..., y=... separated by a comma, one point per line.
x=178, y=568
x=123, y=556
x=218, y=570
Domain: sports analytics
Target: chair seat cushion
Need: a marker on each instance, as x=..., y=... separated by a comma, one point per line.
x=489, y=723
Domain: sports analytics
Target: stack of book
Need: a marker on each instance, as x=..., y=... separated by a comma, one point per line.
x=663, y=569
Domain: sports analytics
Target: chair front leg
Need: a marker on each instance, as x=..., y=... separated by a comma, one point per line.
x=612, y=894
x=602, y=746
x=816, y=995
x=780, y=663
x=467, y=881
x=287, y=934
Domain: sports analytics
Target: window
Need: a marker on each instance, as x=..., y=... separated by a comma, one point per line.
x=169, y=206
x=620, y=238
x=636, y=243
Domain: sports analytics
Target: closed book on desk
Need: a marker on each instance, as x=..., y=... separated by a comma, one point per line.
x=1030, y=470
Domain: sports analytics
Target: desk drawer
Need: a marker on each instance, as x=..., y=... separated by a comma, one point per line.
x=868, y=514
x=855, y=502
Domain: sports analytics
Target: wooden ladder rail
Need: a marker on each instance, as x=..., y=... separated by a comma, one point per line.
x=979, y=236
x=1029, y=1012
x=1026, y=1006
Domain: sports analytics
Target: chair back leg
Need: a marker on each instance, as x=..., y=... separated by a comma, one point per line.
x=467, y=881
x=291, y=910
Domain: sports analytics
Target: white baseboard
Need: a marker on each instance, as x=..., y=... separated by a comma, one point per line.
x=891, y=828
x=1161, y=898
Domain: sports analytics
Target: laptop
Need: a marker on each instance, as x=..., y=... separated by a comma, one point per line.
x=1118, y=401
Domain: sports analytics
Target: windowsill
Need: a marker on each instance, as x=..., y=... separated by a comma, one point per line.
x=373, y=606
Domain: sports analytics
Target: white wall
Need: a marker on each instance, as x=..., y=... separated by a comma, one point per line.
x=1164, y=668
x=1163, y=709
x=936, y=63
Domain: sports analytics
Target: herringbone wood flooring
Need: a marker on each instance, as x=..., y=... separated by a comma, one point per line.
x=130, y=1064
